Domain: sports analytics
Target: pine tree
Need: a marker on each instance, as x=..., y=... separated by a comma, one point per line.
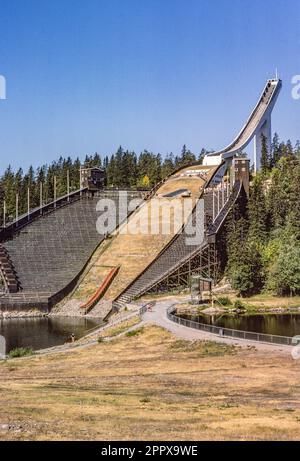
x=186, y=158
x=265, y=159
x=276, y=150
x=202, y=155
x=257, y=212
x=297, y=150
x=110, y=171
x=244, y=265
x=119, y=172
x=167, y=166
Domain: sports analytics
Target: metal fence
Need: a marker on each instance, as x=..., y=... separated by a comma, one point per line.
x=229, y=333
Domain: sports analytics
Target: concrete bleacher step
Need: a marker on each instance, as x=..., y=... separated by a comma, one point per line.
x=50, y=251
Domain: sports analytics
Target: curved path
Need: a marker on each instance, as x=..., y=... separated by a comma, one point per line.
x=158, y=316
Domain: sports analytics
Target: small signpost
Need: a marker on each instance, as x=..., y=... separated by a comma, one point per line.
x=198, y=286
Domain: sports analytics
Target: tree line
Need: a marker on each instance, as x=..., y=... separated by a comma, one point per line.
x=263, y=244
x=124, y=169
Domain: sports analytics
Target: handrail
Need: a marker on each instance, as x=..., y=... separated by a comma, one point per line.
x=184, y=260
x=203, y=245
x=37, y=212
x=139, y=312
x=208, y=181
x=27, y=218
x=230, y=333
x=101, y=290
x=265, y=101
x=218, y=222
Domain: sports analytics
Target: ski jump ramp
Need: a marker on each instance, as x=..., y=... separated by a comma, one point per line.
x=258, y=124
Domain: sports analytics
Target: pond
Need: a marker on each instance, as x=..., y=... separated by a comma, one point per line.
x=274, y=324
x=42, y=332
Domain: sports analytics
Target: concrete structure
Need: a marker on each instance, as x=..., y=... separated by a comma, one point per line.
x=44, y=252
x=92, y=178
x=43, y=255
x=180, y=259
x=240, y=172
x=258, y=124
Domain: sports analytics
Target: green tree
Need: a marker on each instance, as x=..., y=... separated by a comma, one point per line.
x=265, y=156
x=257, y=212
x=276, y=150
x=168, y=166
x=284, y=277
x=244, y=265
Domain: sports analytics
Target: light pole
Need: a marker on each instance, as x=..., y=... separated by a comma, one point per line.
x=68, y=184
x=41, y=197
x=213, y=194
x=80, y=180
x=28, y=203
x=17, y=207
x=54, y=191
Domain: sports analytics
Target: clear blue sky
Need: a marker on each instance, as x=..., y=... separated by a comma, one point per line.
x=86, y=76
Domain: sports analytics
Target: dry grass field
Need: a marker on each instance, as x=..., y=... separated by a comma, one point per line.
x=151, y=386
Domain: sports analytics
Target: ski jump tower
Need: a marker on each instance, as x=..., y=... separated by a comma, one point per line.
x=258, y=124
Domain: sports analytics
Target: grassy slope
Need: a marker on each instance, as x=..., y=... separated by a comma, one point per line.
x=151, y=386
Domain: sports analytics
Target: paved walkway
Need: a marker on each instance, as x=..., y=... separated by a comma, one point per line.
x=158, y=316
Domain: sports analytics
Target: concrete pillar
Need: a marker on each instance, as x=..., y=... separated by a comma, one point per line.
x=223, y=193
x=266, y=130
x=240, y=170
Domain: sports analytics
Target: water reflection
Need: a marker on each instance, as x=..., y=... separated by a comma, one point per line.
x=275, y=324
x=40, y=333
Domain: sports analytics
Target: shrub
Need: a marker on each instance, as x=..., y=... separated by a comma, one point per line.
x=134, y=332
x=20, y=352
x=238, y=304
x=284, y=277
x=225, y=301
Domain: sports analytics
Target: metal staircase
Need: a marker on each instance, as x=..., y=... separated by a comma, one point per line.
x=178, y=253
x=7, y=270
